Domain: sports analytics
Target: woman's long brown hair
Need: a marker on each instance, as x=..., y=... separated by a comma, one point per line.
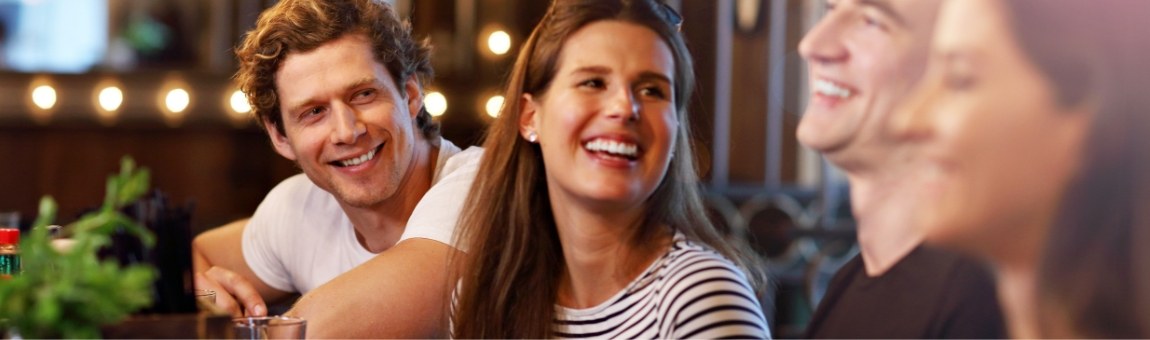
x=1094, y=276
x=508, y=279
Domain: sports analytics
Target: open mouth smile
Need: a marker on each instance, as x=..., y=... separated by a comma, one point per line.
x=613, y=148
x=358, y=159
x=831, y=89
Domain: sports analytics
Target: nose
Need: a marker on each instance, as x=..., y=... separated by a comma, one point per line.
x=623, y=106
x=912, y=120
x=823, y=44
x=347, y=127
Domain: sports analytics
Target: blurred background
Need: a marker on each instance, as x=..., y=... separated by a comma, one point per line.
x=85, y=82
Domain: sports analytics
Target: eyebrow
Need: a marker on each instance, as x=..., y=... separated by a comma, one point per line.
x=303, y=103
x=885, y=7
x=643, y=76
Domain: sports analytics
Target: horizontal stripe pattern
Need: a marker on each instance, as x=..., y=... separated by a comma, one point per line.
x=690, y=292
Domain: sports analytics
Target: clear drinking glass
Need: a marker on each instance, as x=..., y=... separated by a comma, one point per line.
x=205, y=296
x=270, y=327
x=9, y=219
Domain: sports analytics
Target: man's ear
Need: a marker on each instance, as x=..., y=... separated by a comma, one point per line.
x=528, y=120
x=414, y=95
x=279, y=141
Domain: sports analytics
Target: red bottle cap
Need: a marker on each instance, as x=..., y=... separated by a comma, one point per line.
x=9, y=236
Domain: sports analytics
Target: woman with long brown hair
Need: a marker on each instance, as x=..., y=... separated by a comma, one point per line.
x=594, y=226
x=1031, y=124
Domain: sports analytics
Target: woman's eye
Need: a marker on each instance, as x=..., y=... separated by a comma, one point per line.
x=653, y=92
x=959, y=82
x=957, y=74
x=592, y=83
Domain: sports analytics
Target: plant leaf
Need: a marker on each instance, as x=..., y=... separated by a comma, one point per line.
x=47, y=212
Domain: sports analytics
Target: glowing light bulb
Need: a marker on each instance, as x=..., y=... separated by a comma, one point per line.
x=239, y=102
x=110, y=98
x=44, y=97
x=499, y=42
x=177, y=100
x=435, y=103
x=494, y=104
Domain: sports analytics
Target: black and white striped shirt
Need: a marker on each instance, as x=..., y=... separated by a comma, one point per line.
x=691, y=292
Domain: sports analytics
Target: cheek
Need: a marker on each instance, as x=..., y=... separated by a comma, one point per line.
x=309, y=138
x=562, y=121
x=873, y=60
x=663, y=128
x=671, y=129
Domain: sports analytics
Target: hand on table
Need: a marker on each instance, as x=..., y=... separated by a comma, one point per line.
x=234, y=294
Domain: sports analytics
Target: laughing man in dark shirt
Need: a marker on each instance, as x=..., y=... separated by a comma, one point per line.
x=864, y=56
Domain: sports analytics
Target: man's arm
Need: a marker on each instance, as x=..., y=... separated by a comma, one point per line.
x=401, y=293
x=404, y=292
x=218, y=261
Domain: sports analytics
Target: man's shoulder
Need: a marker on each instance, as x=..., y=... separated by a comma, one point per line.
x=947, y=266
x=470, y=156
x=458, y=160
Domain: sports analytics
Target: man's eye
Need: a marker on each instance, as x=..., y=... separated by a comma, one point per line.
x=315, y=111
x=364, y=96
x=872, y=22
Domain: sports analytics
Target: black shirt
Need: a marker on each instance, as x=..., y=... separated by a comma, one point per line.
x=928, y=294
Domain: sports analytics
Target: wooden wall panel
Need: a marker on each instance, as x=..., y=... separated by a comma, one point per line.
x=225, y=172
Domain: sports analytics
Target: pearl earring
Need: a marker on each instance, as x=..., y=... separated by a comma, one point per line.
x=532, y=137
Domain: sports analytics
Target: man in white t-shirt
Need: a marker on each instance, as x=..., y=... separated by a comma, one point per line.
x=337, y=86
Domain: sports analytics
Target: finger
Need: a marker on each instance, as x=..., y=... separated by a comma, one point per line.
x=224, y=299
x=242, y=290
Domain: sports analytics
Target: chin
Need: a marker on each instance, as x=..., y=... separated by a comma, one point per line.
x=614, y=200
x=819, y=133
x=360, y=198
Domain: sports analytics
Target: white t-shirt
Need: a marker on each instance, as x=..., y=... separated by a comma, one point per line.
x=299, y=238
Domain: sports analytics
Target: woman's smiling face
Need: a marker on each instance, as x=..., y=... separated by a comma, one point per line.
x=994, y=149
x=606, y=124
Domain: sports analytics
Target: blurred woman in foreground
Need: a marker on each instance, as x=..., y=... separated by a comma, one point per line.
x=1028, y=126
x=594, y=226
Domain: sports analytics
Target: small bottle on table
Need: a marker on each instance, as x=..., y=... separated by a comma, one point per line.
x=9, y=252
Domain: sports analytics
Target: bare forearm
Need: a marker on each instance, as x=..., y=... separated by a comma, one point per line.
x=218, y=261
x=402, y=293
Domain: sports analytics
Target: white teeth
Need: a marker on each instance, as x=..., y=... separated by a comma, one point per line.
x=828, y=88
x=359, y=160
x=612, y=147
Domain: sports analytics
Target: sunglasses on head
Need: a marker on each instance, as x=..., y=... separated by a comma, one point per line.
x=671, y=16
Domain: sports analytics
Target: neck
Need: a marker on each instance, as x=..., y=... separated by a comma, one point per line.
x=379, y=227
x=1016, y=292
x=884, y=236
x=600, y=259
x=1016, y=264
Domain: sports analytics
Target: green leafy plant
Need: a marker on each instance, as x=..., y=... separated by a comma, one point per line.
x=71, y=293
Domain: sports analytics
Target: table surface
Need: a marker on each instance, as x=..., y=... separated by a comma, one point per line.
x=172, y=326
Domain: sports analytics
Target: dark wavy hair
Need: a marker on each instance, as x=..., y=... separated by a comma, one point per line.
x=293, y=26
x=509, y=276
x=1094, y=276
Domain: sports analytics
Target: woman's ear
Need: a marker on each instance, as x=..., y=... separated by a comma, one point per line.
x=528, y=120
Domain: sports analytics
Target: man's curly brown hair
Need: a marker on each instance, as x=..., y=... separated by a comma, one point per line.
x=293, y=26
